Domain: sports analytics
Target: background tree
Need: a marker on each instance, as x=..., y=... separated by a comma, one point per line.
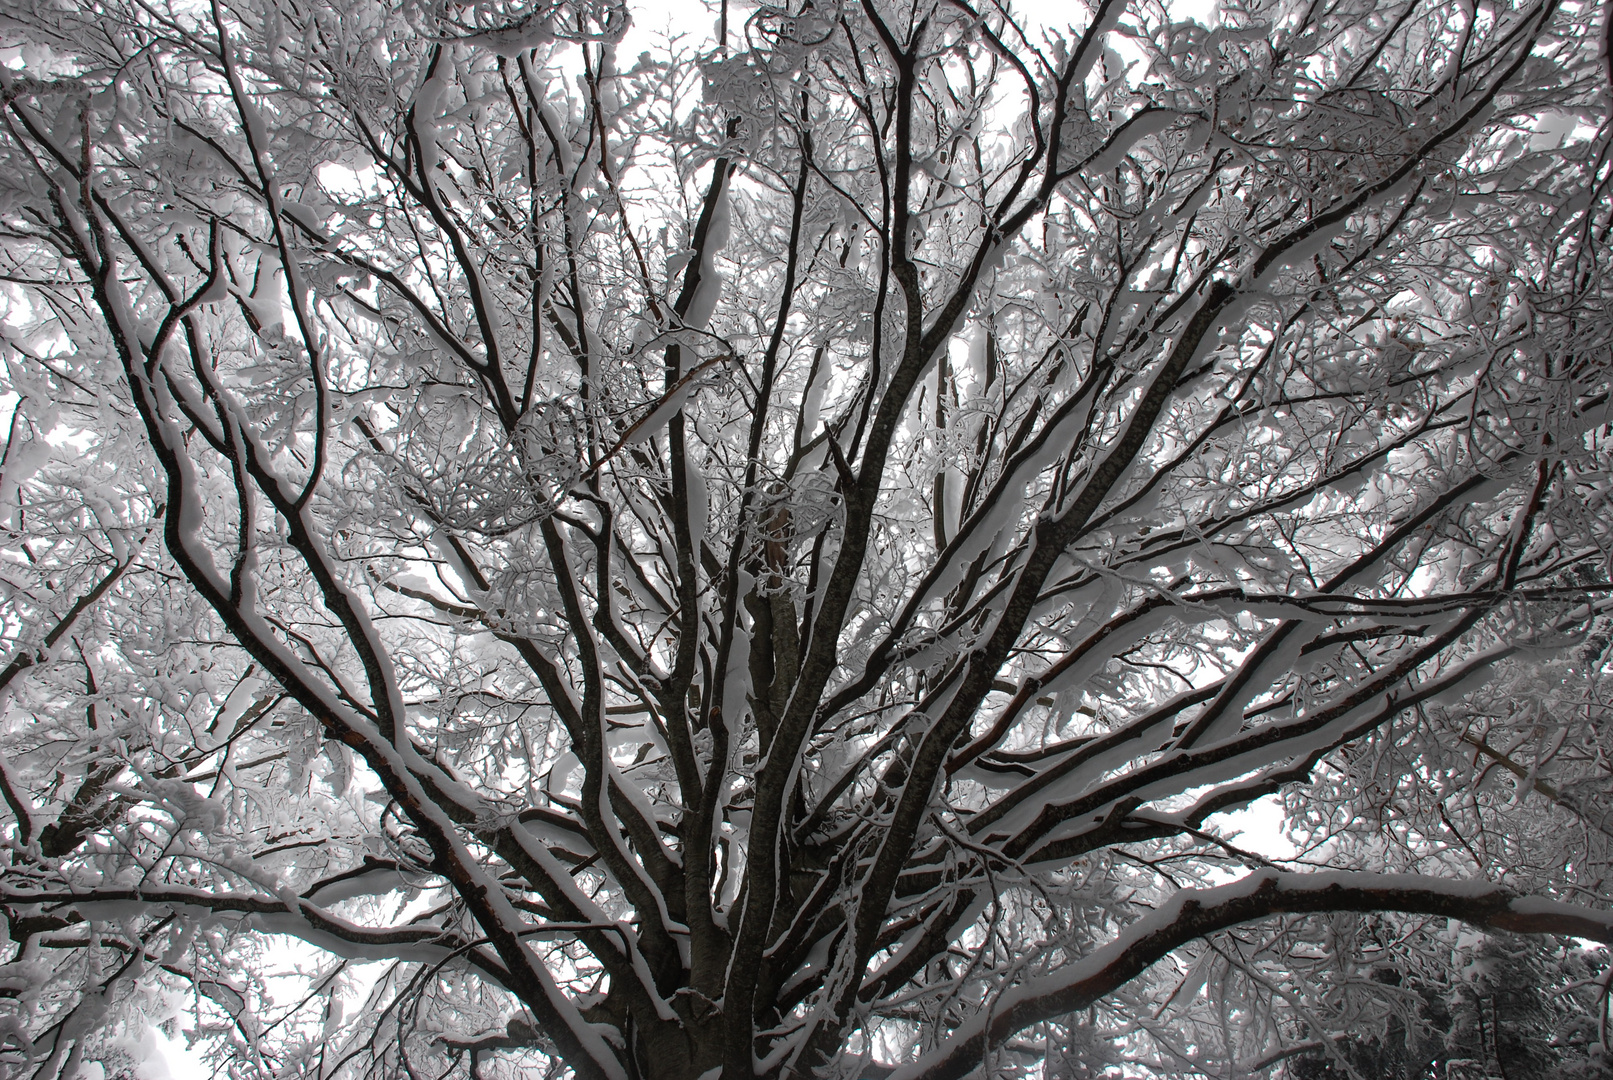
x=771, y=559
x=1512, y=788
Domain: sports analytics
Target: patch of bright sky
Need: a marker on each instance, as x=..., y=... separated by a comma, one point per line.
x=1258, y=827
x=170, y=1059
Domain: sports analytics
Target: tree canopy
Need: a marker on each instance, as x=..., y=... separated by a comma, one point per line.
x=768, y=558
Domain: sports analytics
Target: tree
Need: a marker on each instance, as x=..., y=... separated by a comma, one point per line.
x=1501, y=1016
x=770, y=559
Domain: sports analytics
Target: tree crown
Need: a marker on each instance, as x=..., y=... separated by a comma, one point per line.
x=768, y=559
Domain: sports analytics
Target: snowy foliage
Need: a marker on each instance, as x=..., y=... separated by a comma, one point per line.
x=772, y=558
